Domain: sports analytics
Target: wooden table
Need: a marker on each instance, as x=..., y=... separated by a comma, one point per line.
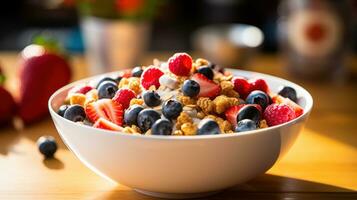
x=321, y=165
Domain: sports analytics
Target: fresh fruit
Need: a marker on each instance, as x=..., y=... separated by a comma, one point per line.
x=106, y=79
x=123, y=96
x=232, y=112
x=259, y=84
x=75, y=113
x=62, y=109
x=258, y=97
x=150, y=77
x=131, y=115
x=190, y=88
x=288, y=92
x=161, y=127
x=171, y=109
x=249, y=112
x=82, y=89
x=276, y=114
x=47, y=146
x=246, y=125
x=241, y=86
x=41, y=73
x=146, y=118
x=208, y=88
x=180, y=64
x=206, y=71
x=106, y=108
x=107, y=90
x=136, y=71
x=7, y=106
x=151, y=98
x=297, y=109
x=103, y=123
x=208, y=127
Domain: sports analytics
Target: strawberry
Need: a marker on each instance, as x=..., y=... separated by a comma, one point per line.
x=282, y=100
x=276, y=114
x=83, y=89
x=123, y=96
x=106, y=124
x=7, y=106
x=208, y=88
x=150, y=77
x=125, y=73
x=180, y=64
x=258, y=84
x=241, y=86
x=232, y=112
x=105, y=108
x=41, y=74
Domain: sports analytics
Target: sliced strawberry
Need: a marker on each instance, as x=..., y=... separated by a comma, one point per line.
x=83, y=89
x=150, y=77
x=208, y=88
x=258, y=84
x=282, y=100
x=106, y=124
x=180, y=64
x=106, y=108
x=123, y=96
x=232, y=112
x=241, y=86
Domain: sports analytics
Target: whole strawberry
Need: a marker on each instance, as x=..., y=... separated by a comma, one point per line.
x=42, y=72
x=7, y=107
x=276, y=114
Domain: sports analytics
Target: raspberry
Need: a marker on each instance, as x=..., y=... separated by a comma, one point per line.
x=124, y=96
x=180, y=64
x=259, y=84
x=241, y=86
x=150, y=77
x=276, y=114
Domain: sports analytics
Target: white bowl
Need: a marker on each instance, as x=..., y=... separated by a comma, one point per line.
x=181, y=166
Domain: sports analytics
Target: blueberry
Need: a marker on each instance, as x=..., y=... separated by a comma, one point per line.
x=206, y=71
x=131, y=115
x=106, y=79
x=190, y=88
x=107, y=90
x=161, y=127
x=62, y=109
x=47, y=146
x=258, y=97
x=249, y=112
x=146, y=118
x=137, y=71
x=208, y=127
x=246, y=125
x=151, y=98
x=288, y=92
x=171, y=109
x=75, y=113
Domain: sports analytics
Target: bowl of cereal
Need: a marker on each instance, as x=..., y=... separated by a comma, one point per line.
x=181, y=128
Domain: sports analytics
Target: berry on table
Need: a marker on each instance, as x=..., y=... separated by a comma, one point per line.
x=241, y=86
x=151, y=76
x=180, y=64
x=171, y=109
x=107, y=90
x=151, y=98
x=146, y=118
x=161, y=127
x=75, y=113
x=258, y=97
x=208, y=127
x=62, y=109
x=249, y=112
x=288, y=92
x=206, y=71
x=131, y=114
x=136, y=71
x=47, y=146
x=276, y=114
x=124, y=96
x=246, y=125
x=190, y=88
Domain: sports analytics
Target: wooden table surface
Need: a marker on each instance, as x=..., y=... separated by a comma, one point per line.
x=321, y=165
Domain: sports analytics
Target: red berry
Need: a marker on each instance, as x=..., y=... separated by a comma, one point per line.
x=180, y=64
x=232, y=112
x=258, y=84
x=106, y=124
x=208, y=88
x=276, y=114
x=7, y=106
x=123, y=96
x=282, y=100
x=105, y=108
x=241, y=86
x=83, y=89
x=150, y=77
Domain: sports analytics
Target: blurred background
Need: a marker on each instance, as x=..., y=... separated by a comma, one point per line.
x=119, y=32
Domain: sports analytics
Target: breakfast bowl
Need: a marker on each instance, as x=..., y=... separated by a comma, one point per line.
x=181, y=166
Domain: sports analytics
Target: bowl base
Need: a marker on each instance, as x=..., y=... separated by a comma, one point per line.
x=175, y=195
